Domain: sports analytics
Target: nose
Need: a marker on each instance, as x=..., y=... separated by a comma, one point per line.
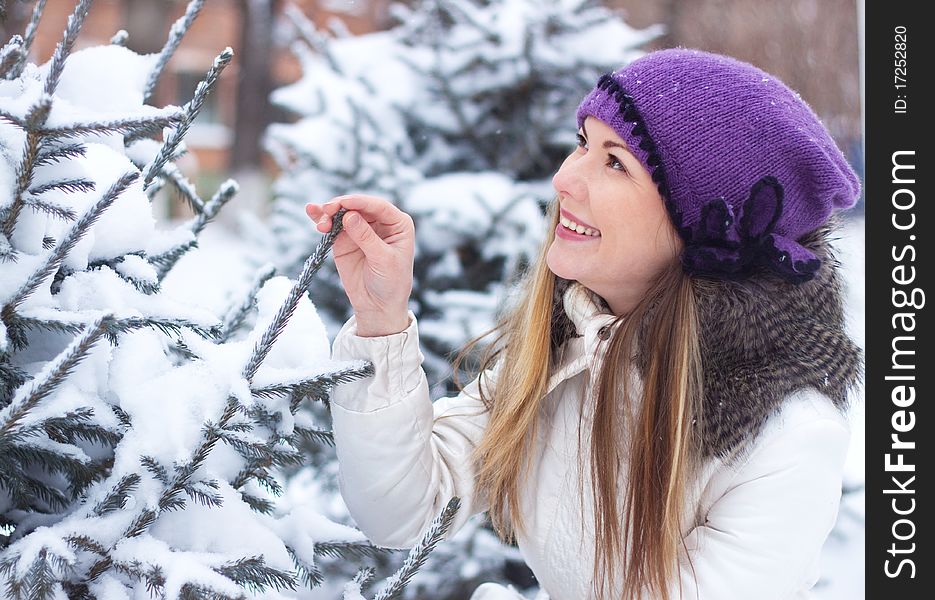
x=569, y=180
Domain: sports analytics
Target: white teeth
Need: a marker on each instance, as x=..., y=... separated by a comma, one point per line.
x=579, y=228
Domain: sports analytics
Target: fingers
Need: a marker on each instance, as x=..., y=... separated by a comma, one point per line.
x=373, y=208
x=373, y=247
x=316, y=213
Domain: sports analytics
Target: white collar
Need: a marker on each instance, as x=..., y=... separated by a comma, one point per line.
x=589, y=315
x=585, y=308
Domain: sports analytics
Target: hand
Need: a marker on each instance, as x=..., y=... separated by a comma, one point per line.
x=374, y=255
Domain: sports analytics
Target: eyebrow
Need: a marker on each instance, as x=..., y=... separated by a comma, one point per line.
x=613, y=144
x=609, y=143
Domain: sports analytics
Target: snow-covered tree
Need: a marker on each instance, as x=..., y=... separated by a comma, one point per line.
x=459, y=113
x=142, y=440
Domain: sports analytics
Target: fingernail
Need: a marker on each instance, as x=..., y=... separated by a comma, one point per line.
x=352, y=219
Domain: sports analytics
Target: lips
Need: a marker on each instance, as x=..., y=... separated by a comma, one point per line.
x=574, y=224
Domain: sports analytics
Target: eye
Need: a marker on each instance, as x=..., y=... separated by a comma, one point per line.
x=614, y=163
x=583, y=143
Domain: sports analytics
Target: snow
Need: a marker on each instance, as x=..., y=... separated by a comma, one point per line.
x=169, y=404
x=180, y=567
x=171, y=385
x=208, y=529
x=137, y=268
x=352, y=591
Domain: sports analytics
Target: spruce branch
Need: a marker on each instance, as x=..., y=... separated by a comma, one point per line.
x=154, y=188
x=77, y=425
x=122, y=416
x=133, y=126
x=311, y=434
x=120, y=38
x=165, y=325
x=41, y=578
x=157, y=470
x=165, y=261
x=354, y=550
x=143, y=285
x=364, y=577
x=417, y=556
x=221, y=196
x=307, y=573
x=20, y=462
x=315, y=386
x=61, y=212
x=7, y=253
x=30, y=35
x=18, y=325
x=34, y=118
x=192, y=108
x=176, y=33
x=260, y=455
x=468, y=16
x=63, y=49
x=26, y=491
x=253, y=573
x=262, y=476
x=143, y=521
x=314, y=262
x=84, y=542
x=171, y=173
x=77, y=231
x=11, y=54
x=11, y=377
x=260, y=505
x=311, y=36
x=77, y=184
x=238, y=313
x=152, y=575
x=205, y=497
x=27, y=399
x=56, y=152
x=117, y=497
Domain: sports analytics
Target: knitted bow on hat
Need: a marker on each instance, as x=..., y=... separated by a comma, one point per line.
x=723, y=245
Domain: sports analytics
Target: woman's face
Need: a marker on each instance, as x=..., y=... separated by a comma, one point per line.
x=603, y=186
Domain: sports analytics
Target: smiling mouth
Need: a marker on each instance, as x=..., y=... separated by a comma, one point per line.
x=580, y=229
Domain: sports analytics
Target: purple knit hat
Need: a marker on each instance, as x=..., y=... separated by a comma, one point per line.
x=743, y=163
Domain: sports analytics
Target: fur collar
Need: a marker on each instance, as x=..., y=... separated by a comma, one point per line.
x=762, y=339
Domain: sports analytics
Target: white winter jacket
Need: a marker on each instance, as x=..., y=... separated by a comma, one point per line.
x=754, y=527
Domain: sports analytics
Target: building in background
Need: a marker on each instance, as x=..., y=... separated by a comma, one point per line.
x=224, y=140
x=812, y=45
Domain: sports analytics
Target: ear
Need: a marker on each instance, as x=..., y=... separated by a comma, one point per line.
x=762, y=209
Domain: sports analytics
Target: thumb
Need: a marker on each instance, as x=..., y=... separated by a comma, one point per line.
x=364, y=236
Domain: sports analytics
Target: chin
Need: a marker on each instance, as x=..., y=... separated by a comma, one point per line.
x=558, y=269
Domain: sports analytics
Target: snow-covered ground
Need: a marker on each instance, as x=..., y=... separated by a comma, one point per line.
x=843, y=555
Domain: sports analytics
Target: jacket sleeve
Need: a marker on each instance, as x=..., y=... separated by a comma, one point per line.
x=402, y=457
x=761, y=537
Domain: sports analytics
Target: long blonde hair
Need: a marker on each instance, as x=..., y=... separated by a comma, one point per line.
x=663, y=434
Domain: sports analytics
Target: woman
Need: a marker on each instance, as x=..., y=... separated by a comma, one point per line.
x=662, y=412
